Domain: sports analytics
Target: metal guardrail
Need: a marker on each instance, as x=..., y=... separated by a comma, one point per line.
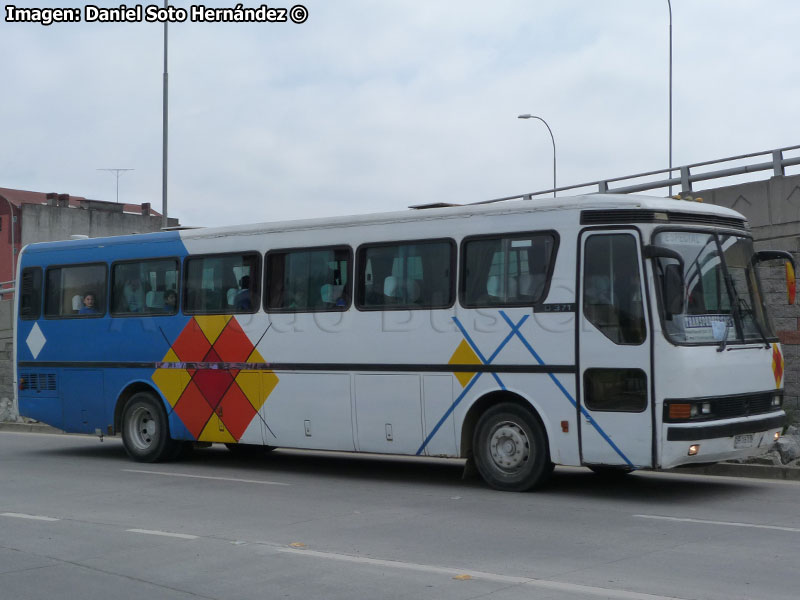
x=7, y=287
x=777, y=163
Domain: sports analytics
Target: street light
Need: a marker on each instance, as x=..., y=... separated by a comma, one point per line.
x=527, y=116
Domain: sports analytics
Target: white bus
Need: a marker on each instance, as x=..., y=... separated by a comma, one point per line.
x=615, y=332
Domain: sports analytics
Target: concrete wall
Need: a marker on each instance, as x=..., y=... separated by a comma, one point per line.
x=7, y=412
x=773, y=210
x=43, y=223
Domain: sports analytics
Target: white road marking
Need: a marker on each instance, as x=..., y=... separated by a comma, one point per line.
x=31, y=517
x=183, y=536
x=234, y=479
x=729, y=523
x=587, y=590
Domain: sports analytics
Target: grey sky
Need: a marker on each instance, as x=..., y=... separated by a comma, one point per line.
x=376, y=105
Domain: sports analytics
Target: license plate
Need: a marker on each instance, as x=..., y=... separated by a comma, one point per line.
x=744, y=440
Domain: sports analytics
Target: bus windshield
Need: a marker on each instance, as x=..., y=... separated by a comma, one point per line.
x=720, y=299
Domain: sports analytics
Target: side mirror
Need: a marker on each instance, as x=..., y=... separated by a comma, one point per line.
x=791, y=286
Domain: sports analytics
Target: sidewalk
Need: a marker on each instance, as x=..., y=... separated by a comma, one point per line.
x=726, y=469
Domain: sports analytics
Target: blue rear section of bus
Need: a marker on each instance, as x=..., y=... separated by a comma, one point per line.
x=71, y=371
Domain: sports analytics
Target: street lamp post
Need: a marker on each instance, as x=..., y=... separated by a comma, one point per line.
x=164, y=128
x=669, y=5
x=553, y=139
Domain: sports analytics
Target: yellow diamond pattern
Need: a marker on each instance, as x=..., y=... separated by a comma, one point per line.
x=257, y=385
x=250, y=383
x=212, y=325
x=464, y=355
x=215, y=431
x=171, y=382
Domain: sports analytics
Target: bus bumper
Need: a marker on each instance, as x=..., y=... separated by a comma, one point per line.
x=715, y=441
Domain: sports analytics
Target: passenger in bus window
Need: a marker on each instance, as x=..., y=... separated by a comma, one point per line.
x=242, y=299
x=170, y=301
x=299, y=300
x=88, y=307
x=134, y=294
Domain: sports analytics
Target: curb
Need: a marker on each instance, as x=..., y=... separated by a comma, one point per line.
x=784, y=473
x=28, y=427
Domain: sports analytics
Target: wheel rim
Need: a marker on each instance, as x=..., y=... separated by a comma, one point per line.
x=509, y=447
x=142, y=429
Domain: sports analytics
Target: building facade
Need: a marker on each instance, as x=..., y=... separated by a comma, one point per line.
x=27, y=217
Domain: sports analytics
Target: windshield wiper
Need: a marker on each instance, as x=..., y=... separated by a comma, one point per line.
x=749, y=310
x=724, y=341
x=738, y=302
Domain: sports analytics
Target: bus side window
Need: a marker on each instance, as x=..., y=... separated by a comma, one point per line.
x=75, y=291
x=507, y=270
x=147, y=286
x=222, y=284
x=407, y=275
x=30, y=298
x=308, y=280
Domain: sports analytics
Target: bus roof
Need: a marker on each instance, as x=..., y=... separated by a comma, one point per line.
x=568, y=203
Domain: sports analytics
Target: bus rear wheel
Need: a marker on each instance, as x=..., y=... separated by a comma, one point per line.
x=510, y=449
x=145, y=430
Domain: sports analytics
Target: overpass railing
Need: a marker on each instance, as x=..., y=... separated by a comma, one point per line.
x=768, y=160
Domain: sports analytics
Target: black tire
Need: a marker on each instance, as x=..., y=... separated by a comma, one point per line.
x=249, y=449
x=510, y=449
x=145, y=430
x=609, y=472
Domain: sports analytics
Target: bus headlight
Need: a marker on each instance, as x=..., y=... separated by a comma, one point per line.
x=777, y=400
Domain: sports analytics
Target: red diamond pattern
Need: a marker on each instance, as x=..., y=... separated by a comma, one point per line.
x=214, y=390
x=236, y=411
x=192, y=344
x=193, y=409
x=232, y=344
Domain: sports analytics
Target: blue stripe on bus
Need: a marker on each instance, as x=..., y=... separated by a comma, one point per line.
x=591, y=420
x=514, y=329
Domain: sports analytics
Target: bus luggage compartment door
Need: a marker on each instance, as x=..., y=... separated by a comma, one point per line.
x=83, y=400
x=614, y=351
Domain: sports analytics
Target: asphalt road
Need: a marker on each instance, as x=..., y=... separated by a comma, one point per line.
x=78, y=519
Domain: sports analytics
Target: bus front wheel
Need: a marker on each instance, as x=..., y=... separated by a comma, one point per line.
x=145, y=431
x=510, y=449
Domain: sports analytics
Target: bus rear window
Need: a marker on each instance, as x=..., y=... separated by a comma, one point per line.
x=30, y=297
x=75, y=291
x=510, y=270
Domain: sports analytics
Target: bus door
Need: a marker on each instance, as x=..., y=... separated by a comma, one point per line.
x=614, y=351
